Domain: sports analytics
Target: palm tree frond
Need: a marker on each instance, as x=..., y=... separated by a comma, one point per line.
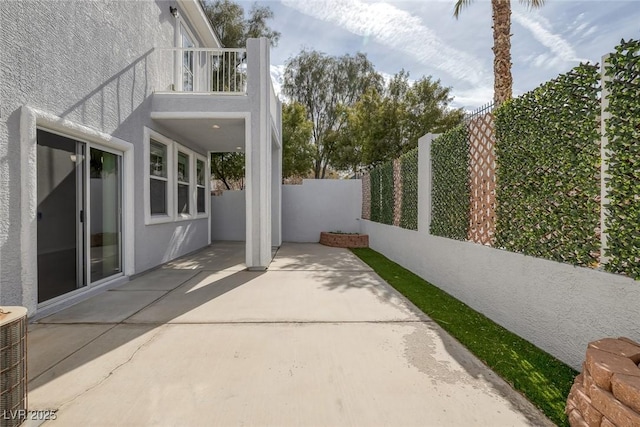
x=532, y=4
x=460, y=4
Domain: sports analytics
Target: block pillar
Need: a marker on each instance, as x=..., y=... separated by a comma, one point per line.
x=258, y=157
x=424, y=182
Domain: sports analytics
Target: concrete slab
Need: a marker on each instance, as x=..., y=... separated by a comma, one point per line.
x=88, y=367
x=280, y=296
x=318, y=339
x=161, y=279
x=218, y=256
x=295, y=375
x=315, y=257
x=56, y=343
x=108, y=307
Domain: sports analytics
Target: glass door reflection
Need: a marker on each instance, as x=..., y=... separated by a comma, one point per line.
x=105, y=214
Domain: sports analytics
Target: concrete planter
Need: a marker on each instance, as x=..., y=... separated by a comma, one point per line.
x=340, y=240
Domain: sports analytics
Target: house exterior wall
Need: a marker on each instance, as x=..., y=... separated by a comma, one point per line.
x=92, y=64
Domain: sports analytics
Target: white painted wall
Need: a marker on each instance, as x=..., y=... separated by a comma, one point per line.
x=320, y=205
x=228, y=216
x=94, y=80
x=557, y=307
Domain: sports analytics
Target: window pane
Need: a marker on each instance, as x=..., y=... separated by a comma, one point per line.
x=104, y=213
x=200, y=172
x=158, y=159
x=158, y=197
x=183, y=167
x=201, y=205
x=187, y=63
x=183, y=199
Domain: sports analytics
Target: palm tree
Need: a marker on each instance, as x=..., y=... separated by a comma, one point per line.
x=502, y=83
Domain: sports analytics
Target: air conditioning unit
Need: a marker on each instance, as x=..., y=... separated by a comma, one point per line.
x=13, y=366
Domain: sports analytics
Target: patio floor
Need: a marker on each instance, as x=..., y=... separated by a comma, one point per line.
x=317, y=340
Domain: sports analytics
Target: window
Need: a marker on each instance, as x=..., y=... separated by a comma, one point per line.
x=158, y=178
x=175, y=181
x=183, y=183
x=200, y=187
x=187, y=62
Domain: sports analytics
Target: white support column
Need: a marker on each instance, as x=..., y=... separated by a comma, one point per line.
x=424, y=182
x=276, y=196
x=604, y=162
x=258, y=157
x=276, y=181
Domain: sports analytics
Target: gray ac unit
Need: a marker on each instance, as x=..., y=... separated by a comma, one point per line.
x=13, y=366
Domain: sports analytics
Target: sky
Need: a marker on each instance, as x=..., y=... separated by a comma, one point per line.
x=423, y=38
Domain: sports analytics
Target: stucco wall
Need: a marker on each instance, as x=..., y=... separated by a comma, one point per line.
x=228, y=216
x=91, y=63
x=320, y=205
x=558, y=307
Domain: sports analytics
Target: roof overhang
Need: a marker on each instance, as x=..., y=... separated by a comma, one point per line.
x=216, y=133
x=197, y=17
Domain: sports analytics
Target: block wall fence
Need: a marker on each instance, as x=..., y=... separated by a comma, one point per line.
x=558, y=302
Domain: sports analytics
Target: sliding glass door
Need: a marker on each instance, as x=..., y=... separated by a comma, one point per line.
x=105, y=214
x=60, y=217
x=79, y=214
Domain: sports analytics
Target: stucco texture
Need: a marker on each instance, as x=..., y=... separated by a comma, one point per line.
x=320, y=205
x=558, y=307
x=91, y=63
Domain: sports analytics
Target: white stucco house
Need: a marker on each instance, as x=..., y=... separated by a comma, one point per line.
x=109, y=111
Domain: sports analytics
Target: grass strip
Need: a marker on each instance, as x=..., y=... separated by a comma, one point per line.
x=540, y=377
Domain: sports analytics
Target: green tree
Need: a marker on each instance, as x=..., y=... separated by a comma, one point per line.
x=326, y=86
x=227, y=167
x=383, y=125
x=297, y=149
x=363, y=125
x=233, y=29
x=502, y=79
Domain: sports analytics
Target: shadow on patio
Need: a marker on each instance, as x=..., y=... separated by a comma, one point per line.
x=319, y=338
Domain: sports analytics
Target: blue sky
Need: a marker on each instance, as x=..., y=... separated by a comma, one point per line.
x=425, y=39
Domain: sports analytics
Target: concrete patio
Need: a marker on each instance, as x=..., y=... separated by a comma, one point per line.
x=317, y=340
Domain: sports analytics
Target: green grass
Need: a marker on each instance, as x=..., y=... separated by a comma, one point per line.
x=540, y=377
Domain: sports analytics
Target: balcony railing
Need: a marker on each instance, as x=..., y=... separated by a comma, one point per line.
x=219, y=71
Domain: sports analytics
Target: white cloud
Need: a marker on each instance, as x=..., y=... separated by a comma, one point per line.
x=396, y=29
x=277, y=77
x=554, y=42
x=471, y=99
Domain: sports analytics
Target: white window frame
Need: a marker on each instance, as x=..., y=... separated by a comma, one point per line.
x=150, y=134
x=207, y=172
x=183, y=29
x=173, y=148
x=190, y=165
x=30, y=120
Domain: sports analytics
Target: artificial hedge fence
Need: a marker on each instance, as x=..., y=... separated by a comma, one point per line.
x=622, y=82
x=548, y=170
x=386, y=193
x=450, y=193
x=409, y=176
x=375, y=195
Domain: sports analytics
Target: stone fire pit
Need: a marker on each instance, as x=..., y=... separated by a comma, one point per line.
x=607, y=392
x=344, y=240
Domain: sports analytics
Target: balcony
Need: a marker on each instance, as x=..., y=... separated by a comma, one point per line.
x=203, y=88
x=215, y=71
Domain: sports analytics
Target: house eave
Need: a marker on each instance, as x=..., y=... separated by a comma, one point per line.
x=197, y=17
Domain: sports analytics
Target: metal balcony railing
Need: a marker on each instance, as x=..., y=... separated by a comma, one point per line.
x=207, y=70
